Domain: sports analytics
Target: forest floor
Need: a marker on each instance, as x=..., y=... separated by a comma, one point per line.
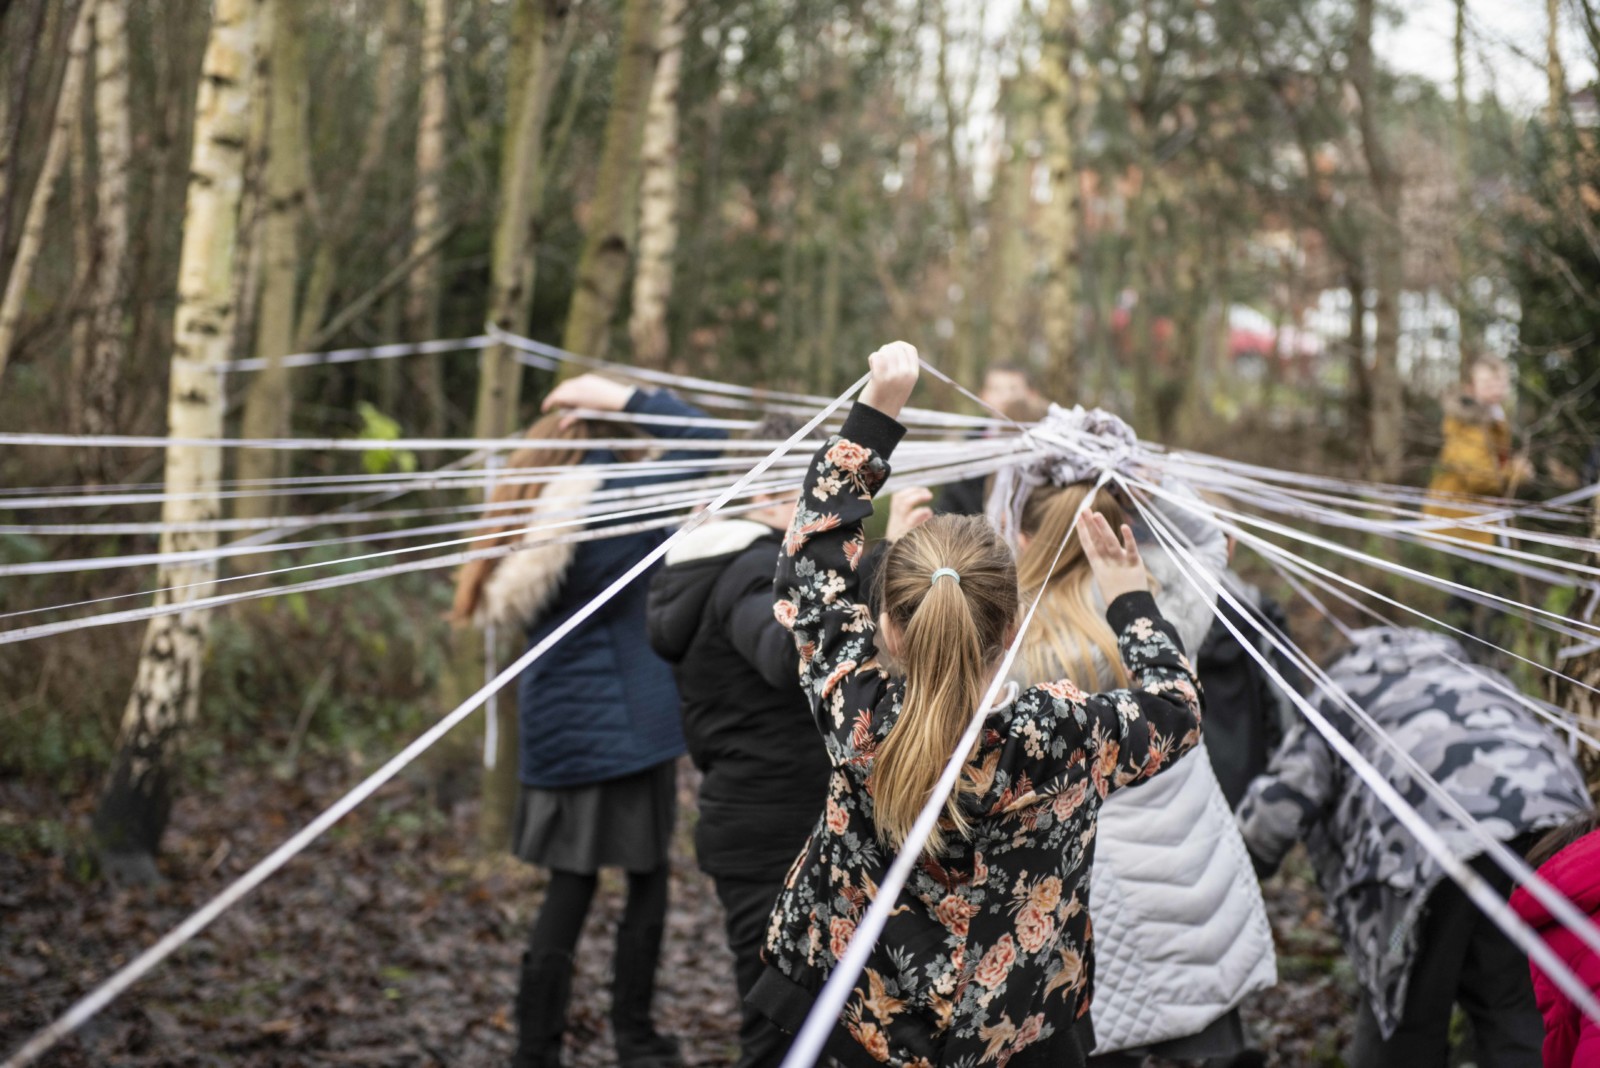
x=390, y=943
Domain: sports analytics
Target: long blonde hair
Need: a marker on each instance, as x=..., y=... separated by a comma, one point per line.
x=1069, y=627
x=951, y=634
x=516, y=493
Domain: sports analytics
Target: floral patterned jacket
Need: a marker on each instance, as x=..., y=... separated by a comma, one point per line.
x=989, y=951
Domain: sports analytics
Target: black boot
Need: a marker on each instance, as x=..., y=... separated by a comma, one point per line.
x=632, y=990
x=542, y=996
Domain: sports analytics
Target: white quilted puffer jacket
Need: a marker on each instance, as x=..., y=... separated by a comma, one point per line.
x=1180, y=932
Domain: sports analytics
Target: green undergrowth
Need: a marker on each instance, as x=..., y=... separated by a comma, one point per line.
x=348, y=673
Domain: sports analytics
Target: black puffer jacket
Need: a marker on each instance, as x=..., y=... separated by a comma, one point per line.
x=747, y=724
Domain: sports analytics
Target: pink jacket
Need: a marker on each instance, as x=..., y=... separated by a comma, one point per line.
x=1570, y=1037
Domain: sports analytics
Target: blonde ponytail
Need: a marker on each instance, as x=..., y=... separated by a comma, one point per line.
x=952, y=632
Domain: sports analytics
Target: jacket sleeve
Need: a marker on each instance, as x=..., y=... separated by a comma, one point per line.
x=660, y=402
x=1124, y=735
x=756, y=634
x=818, y=586
x=1188, y=601
x=1281, y=806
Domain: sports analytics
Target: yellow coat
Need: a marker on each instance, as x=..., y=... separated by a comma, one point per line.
x=1474, y=462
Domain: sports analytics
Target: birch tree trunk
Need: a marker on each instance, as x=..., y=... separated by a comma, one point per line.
x=65, y=123
x=1387, y=409
x=101, y=385
x=1060, y=218
x=422, y=285
x=658, y=195
x=270, y=400
x=612, y=223
x=137, y=798
x=539, y=45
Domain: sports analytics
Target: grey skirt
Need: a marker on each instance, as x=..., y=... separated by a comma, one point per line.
x=622, y=823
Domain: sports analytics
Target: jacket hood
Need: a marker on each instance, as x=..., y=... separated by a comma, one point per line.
x=680, y=589
x=1575, y=873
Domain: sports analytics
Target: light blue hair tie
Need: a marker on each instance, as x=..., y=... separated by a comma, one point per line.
x=942, y=572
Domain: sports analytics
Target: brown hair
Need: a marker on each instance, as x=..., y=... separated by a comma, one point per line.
x=1069, y=625
x=951, y=634
x=516, y=494
x=1558, y=839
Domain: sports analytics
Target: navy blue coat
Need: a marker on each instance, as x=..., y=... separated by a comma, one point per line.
x=601, y=704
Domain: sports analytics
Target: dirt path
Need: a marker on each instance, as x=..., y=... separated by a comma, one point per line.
x=386, y=944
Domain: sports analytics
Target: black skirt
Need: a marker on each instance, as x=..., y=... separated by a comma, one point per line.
x=622, y=823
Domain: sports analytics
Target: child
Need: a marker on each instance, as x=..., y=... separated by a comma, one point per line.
x=598, y=727
x=1418, y=944
x=987, y=958
x=1568, y=858
x=1175, y=897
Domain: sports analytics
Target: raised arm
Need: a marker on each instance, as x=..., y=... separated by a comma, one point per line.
x=818, y=585
x=1122, y=735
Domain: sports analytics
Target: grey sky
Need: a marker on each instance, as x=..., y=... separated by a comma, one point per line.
x=1506, y=42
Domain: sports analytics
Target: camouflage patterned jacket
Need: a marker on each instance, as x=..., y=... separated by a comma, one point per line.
x=1494, y=756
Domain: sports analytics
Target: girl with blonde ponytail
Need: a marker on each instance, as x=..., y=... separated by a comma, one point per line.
x=986, y=957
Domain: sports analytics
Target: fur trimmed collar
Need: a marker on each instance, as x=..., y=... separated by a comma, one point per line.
x=526, y=580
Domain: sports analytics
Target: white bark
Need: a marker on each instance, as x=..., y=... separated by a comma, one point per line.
x=658, y=195
x=165, y=692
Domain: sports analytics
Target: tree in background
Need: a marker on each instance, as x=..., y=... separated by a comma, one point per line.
x=133, y=808
x=612, y=210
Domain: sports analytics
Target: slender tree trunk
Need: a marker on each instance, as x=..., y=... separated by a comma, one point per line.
x=25, y=48
x=1060, y=236
x=1555, y=72
x=1006, y=274
x=534, y=60
x=101, y=386
x=658, y=196
x=422, y=288
x=270, y=400
x=705, y=207
x=957, y=192
x=133, y=808
x=612, y=222
x=55, y=155
x=1358, y=397
x=538, y=47
x=80, y=208
x=1387, y=396
x=353, y=188
x=1470, y=323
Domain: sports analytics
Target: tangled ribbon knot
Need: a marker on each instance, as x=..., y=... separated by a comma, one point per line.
x=1077, y=444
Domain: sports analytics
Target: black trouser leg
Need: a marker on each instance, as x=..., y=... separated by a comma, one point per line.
x=545, y=985
x=747, y=910
x=633, y=985
x=1496, y=989
x=1461, y=956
